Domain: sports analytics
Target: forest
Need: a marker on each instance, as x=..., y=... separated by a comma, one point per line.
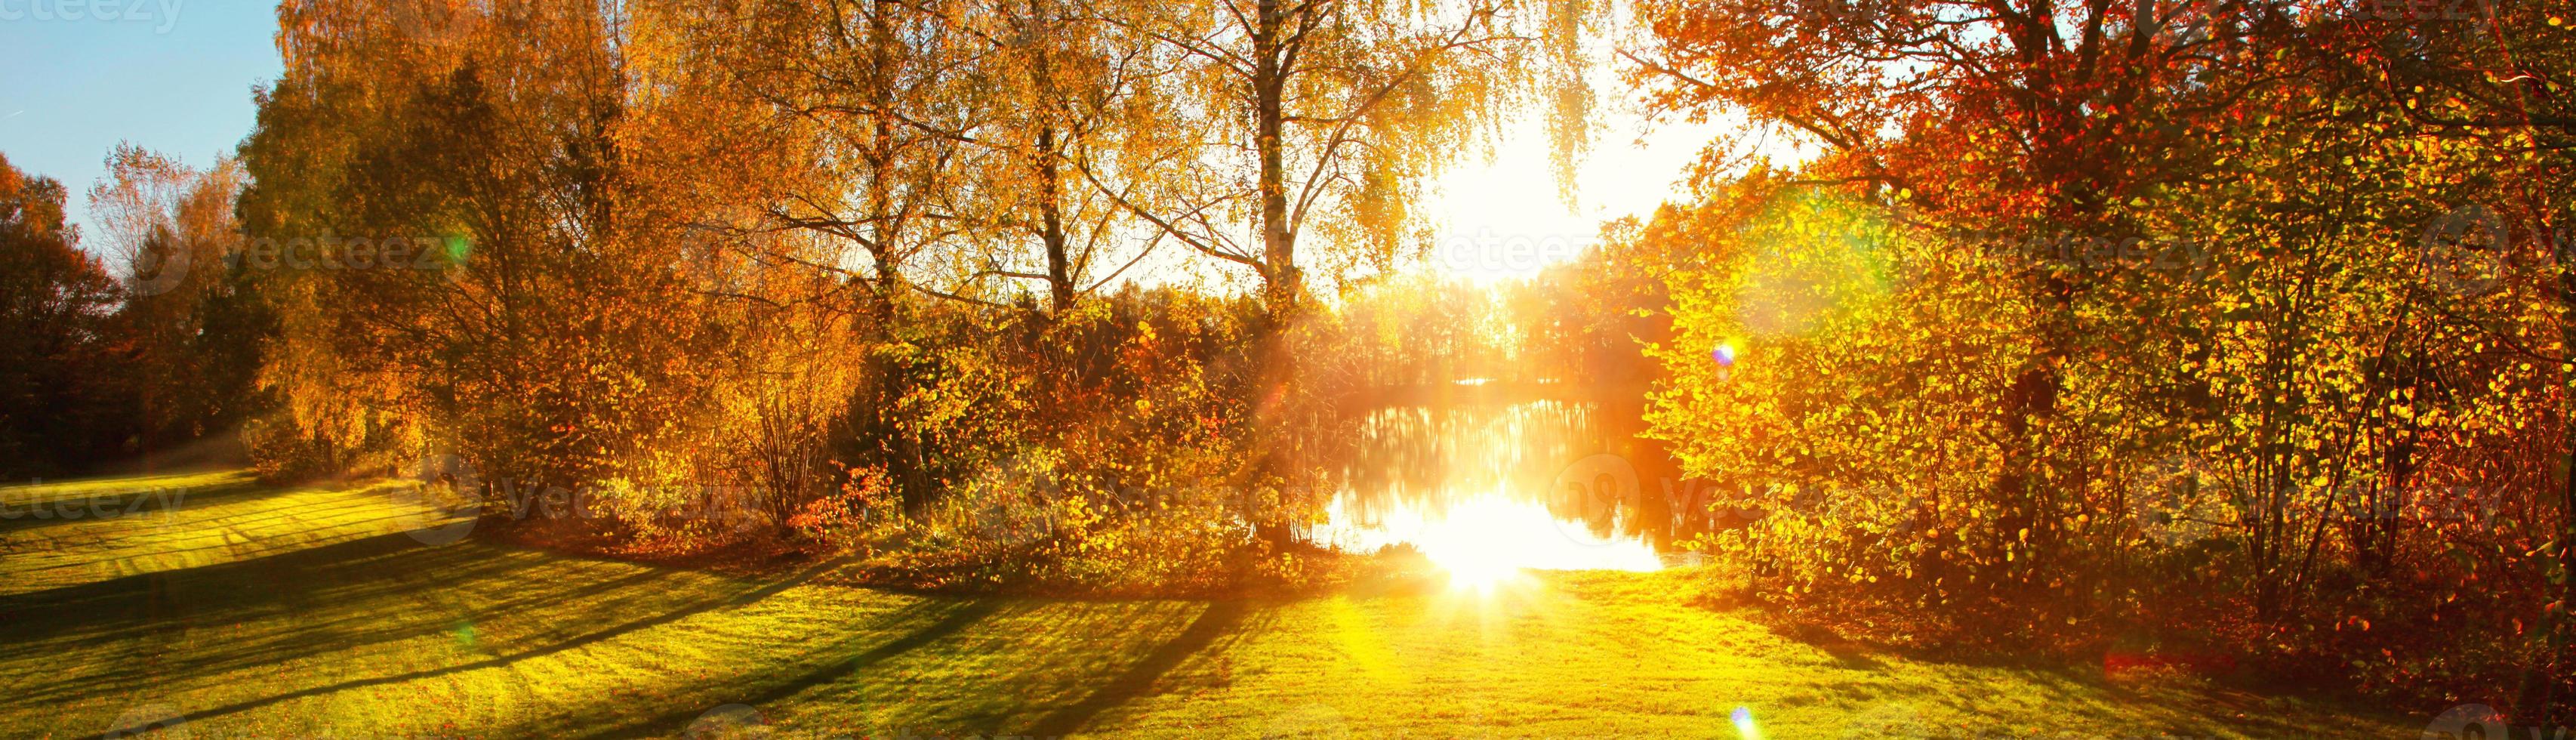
x=2232, y=339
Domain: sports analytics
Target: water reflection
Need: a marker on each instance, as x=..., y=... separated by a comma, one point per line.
x=1486, y=490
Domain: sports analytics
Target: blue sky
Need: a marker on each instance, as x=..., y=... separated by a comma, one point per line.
x=176, y=80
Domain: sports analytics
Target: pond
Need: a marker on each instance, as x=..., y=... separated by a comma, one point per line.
x=1486, y=490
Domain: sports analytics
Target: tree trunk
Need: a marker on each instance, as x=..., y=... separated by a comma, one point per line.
x=1059, y=263
x=1281, y=283
x=1050, y=167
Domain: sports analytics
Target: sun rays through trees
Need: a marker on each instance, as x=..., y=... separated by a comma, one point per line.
x=2226, y=338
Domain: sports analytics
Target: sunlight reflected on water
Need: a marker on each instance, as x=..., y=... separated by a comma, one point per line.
x=1484, y=540
x=1485, y=492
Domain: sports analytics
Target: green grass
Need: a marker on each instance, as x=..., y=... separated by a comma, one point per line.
x=258, y=612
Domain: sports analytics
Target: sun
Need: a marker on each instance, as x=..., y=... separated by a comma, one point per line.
x=1472, y=547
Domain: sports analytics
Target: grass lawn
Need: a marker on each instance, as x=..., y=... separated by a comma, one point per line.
x=248, y=611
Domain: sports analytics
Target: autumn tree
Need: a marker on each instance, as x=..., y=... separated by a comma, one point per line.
x=192, y=324
x=1331, y=113
x=55, y=414
x=875, y=94
x=473, y=259
x=2123, y=345
x=2487, y=83
x=2062, y=121
x=1056, y=86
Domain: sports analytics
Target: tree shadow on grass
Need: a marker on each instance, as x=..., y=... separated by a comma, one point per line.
x=939, y=618
x=949, y=667
x=99, y=608
x=1219, y=619
x=2083, y=695
x=284, y=602
x=584, y=639
x=1848, y=654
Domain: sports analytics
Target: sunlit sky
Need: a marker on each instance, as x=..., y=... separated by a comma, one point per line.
x=179, y=81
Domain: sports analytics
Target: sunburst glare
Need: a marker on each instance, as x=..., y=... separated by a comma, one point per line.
x=1484, y=541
